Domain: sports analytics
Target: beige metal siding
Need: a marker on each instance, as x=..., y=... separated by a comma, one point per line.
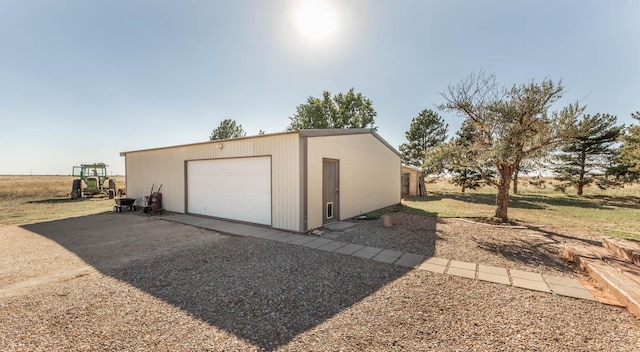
x=166, y=166
x=369, y=175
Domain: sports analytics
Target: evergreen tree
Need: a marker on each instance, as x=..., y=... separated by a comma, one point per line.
x=466, y=178
x=630, y=149
x=587, y=153
x=462, y=175
x=427, y=130
x=452, y=158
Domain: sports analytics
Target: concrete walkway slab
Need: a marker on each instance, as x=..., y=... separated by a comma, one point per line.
x=302, y=240
x=434, y=268
x=233, y=229
x=318, y=242
x=246, y=230
x=349, y=249
x=525, y=275
x=367, y=252
x=217, y=225
x=470, y=274
x=276, y=236
x=391, y=253
x=487, y=269
x=562, y=281
x=528, y=280
x=332, y=246
x=385, y=258
x=463, y=265
x=495, y=278
x=575, y=292
x=437, y=261
x=530, y=284
x=339, y=225
x=410, y=260
x=287, y=238
x=493, y=274
x=191, y=220
x=568, y=287
x=265, y=233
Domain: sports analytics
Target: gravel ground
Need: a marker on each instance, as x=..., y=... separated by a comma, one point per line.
x=168, y=287
x=536, y=250
x=410, y=233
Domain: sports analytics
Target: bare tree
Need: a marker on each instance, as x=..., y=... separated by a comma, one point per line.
x=513, y=124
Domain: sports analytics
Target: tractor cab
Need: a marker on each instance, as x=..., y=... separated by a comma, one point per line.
x=91, y=180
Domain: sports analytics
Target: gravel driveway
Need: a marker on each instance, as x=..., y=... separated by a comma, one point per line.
x=127, y=282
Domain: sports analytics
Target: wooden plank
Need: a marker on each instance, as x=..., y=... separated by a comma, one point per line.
x=626, y=290
x=627, y=249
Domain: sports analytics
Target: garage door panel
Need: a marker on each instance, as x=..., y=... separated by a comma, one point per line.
x=248, y=214
x=238, y=189
x=234, y=182
x=230, y=198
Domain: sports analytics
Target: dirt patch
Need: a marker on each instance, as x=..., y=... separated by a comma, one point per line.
x=55, y=251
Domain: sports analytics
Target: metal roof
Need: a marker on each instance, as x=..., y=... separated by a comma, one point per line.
x=310, y=133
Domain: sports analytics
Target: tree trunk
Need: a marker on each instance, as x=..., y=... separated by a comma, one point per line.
x=583, y=161
x=502, y=199
x=463, y=187
x=515, y=182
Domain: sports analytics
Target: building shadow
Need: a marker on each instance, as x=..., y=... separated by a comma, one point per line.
x=538, y=201
x=261, y=291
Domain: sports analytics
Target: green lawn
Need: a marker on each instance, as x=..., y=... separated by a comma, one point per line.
x=610, y=213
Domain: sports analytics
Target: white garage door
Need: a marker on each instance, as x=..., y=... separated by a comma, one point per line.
x=238, y=189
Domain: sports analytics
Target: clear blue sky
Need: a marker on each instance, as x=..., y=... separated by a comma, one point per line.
x=81, y=81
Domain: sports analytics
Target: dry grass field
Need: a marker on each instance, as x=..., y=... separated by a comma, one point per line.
x=28, y=199
x=614, y=212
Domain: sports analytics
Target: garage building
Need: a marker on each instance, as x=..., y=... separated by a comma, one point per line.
x=296, y=181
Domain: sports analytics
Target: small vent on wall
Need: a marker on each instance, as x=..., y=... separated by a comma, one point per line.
x=329, y=210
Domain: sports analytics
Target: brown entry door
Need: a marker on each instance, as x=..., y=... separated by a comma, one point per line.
x=330, y=191
x=406, y=177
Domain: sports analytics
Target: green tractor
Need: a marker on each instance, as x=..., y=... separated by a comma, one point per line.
x=91, y=181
